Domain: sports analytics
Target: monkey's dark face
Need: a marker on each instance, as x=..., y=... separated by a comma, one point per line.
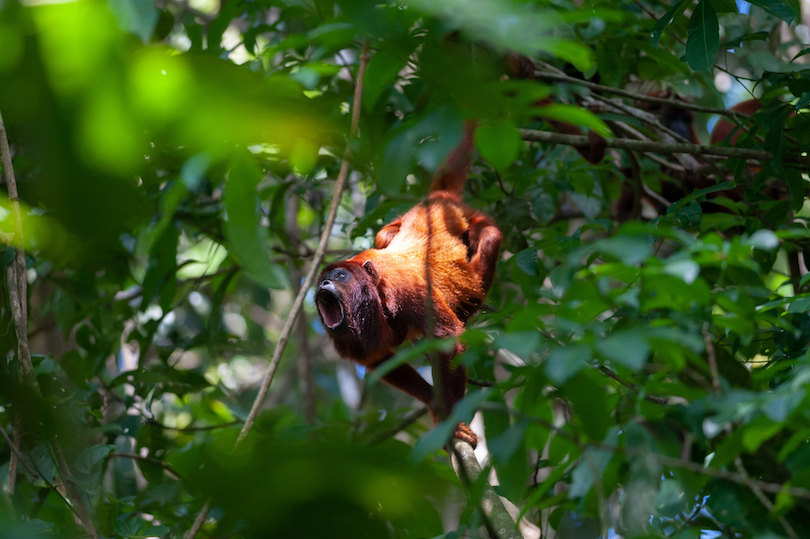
x=331, y=299
x=348, y=301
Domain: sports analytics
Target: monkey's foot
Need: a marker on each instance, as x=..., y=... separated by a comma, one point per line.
x=464, y=432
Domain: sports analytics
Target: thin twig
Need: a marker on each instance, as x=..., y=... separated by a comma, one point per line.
x=712, y=358
x=200, y=520
x=157, y=462
x=663, y=147
x=765, y=501
x=73, y=491
x=407, y=420
x=557, y=77
x=663, y=401
x=319, y=253
x=641, y=115
x=16, y=450
x=156, y=423
x=304, y=359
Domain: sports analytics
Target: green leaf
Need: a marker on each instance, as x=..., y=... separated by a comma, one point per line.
x=498, y=142
x=35, y=529
x=46, y=366
x=778, y=407
x=797, y=187
x=700, y=194
x=738, y=41
x=397, y=160
x=247, y=238
x=592, y=466
x=172, y=194
x=381, y=72
x=724, y=6
x=527, y=261
x=571, y=114
x=803, y=52
x=191, y=173
x=93, y=456
x=156, y=531
x=566, y=362
x=686, y=269
x=509, y=456
x=510, y=26
x=703, y=42
x=130, y=528
x=138, y=17
x=778, y=8
x=759, y=431
x=626, y=348
x=663, y=22
x=161, y=269
x=800, y=305
x=631, y=250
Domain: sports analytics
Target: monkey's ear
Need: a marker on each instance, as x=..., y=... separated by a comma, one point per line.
x=371, y=271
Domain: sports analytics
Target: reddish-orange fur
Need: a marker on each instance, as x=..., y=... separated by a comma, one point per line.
x=382, y=293
x=723, y=127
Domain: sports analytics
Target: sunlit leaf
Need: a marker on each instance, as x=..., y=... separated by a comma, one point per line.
x=498, y=142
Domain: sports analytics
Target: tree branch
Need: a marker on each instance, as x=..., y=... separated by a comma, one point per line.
x=496, y=519
x=558, y=77
x=533, y=135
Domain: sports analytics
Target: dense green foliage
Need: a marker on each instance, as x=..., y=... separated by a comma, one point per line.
x=175, y=165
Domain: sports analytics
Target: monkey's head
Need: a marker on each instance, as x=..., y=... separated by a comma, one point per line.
x=350, y=307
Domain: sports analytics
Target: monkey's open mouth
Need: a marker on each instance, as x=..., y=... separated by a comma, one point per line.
x=331, y=311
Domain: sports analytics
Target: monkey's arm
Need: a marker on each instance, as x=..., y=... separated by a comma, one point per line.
x=485, y=243
x=387, y=233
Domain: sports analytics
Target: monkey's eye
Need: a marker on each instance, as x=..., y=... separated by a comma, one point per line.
x=340, y=275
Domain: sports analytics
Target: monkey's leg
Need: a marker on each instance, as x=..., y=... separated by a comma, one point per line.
x=454, y=385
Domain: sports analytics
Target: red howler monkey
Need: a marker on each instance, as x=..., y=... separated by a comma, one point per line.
x=375, y=300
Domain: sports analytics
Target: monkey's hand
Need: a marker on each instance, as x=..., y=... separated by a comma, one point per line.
x=464, y=432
